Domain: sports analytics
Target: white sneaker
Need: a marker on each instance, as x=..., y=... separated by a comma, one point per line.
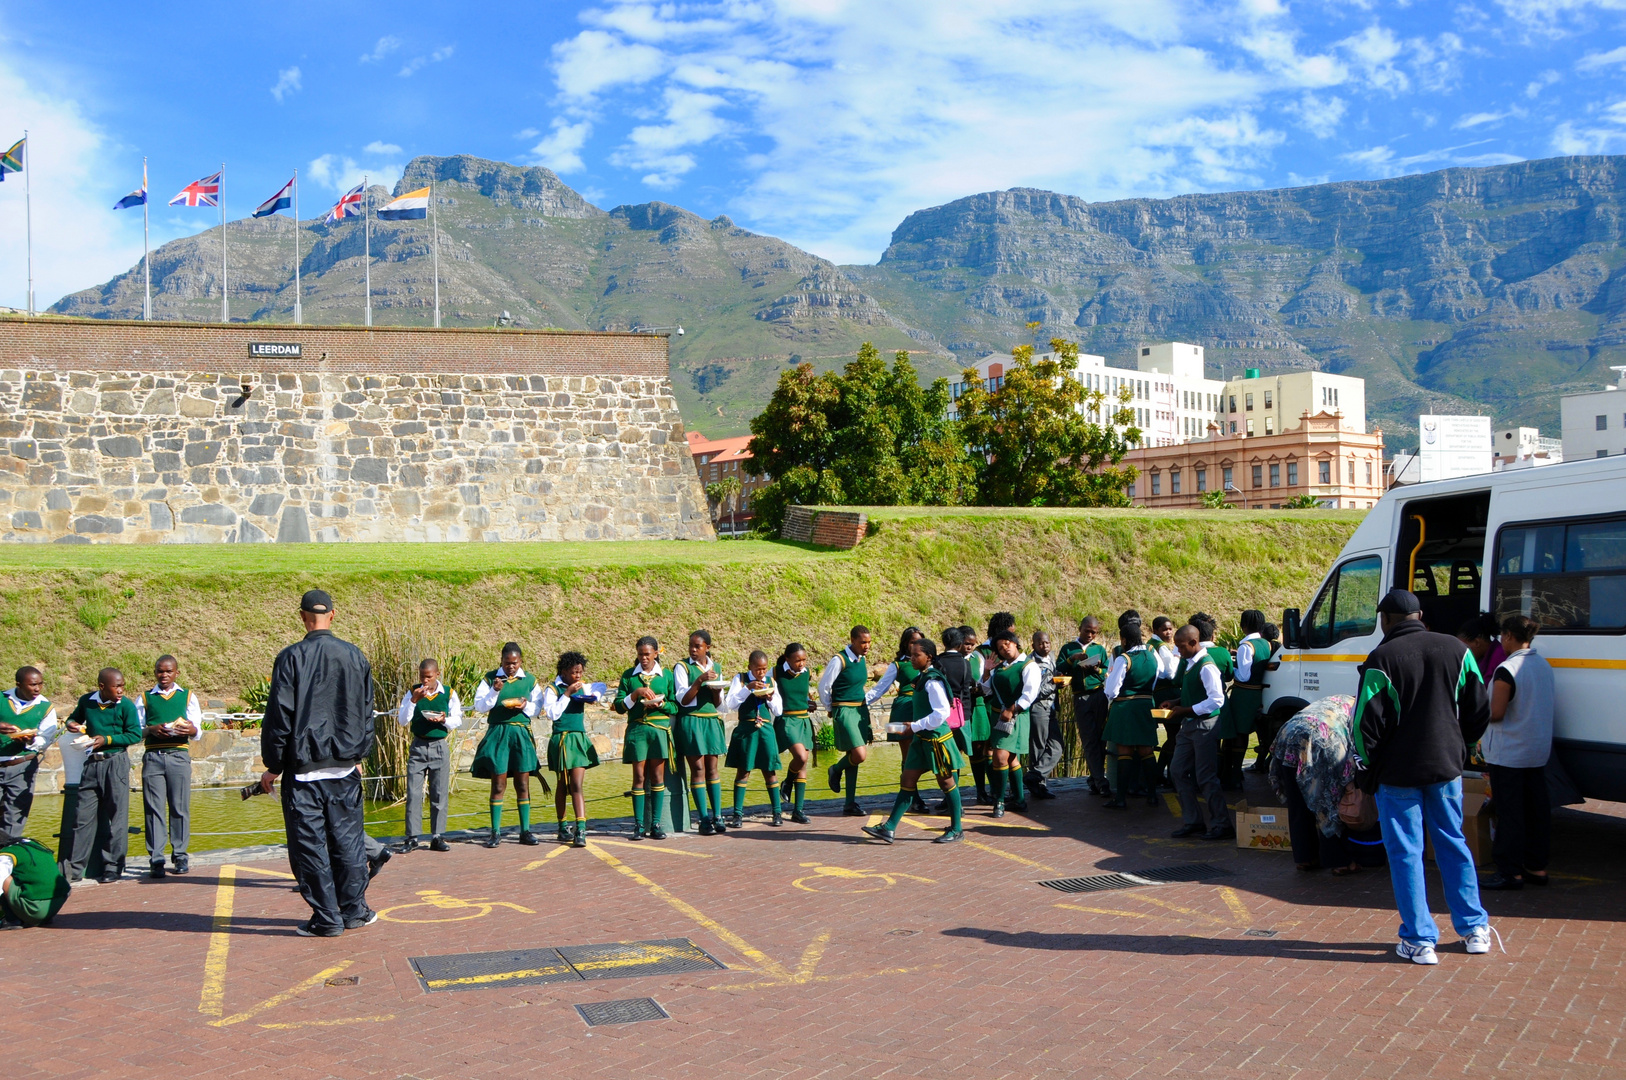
x=1478, y=940
x=1421, y=953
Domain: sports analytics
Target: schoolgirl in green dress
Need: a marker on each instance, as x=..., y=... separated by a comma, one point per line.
x=1013, y=686
x=1131, y=731
x=901, y=673
x=754, y=697
x=974, y=735
x=932, y=750
x=647, y=697
x=698, y=732
x=841, y=690
x=510, y=698
x=570, y=752
x=793, y=727
x=1169, y=671
x=1241, y=715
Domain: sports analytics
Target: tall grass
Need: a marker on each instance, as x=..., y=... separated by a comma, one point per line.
x=396, y=644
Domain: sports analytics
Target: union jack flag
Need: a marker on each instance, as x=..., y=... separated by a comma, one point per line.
x=349, y=204
x=205, y=192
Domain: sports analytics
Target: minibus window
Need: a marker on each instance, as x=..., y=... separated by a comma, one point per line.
x=1348, y=604
x=1566, y=576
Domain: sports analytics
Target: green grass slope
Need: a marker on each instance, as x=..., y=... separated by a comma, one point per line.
x=226, y=610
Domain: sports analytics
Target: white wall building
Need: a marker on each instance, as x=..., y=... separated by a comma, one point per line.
x=1271, y=404
x=1594, y=424
x=1523, y=447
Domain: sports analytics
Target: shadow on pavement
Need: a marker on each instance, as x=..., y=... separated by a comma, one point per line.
x=1349, y=952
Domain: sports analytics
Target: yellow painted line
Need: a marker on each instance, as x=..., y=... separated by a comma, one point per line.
x=812, y=955
x=1338, y=658
x=649, y=954
x=1106, y=911
x=332, y=1023
x=1173, y=802
x=287, y=995
x=555, y=853
x=876, y=819
x=1234, y=902
x=213, y=1000
x=966, y=840
x=651, y=847
x=1574, y=662
x=495, y=977
x=1176, y=907
x=267, y=873
x=767, y=963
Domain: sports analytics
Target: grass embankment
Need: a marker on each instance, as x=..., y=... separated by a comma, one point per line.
x=226, y=610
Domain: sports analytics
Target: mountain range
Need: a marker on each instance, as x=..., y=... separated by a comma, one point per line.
x=1484, y=290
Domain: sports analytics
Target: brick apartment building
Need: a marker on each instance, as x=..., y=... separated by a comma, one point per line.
x=718, y=459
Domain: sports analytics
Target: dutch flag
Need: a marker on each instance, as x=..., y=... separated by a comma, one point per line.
x=282, y=200
x=412, y=206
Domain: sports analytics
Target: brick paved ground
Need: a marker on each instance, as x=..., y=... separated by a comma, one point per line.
x=961, y=966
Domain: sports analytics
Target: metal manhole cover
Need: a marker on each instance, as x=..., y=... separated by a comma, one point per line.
x=481, y=971
x=345, y=980
x=1259, y=933
x=630, y=1011
x=624, y=959
x=902, y=933
x=1158, y=875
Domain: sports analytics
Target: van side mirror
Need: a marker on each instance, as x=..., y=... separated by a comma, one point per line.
x=1290, y=628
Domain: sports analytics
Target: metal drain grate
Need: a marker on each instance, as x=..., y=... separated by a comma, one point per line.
x=1159, y=875
x=567, y=963
x=630, y=1011
x=1259, y=933
x=624, y=959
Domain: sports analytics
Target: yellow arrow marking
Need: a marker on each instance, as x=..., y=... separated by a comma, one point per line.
x=287, y=995
x=555, y=853
x=984, y=847
x=807, y=968
x=766, y=963
x=332, y=1023
x=1173, y=803
x=652, y=847
x=213, y=1000
x=1234, y=902
x=1106, y=911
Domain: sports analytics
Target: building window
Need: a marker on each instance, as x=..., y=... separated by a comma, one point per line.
x=1292, y=474
x=1146, y=352
x=1131, y=492
x=1250, y=425
x=1270, y=425
x=1603, y=453
x=1267, y=399
x=1350, y=472
x=1174, y=481
x=1202, y=479
x=1225, y=479
x=1275, y=475
x=1233, y=409
x=1368, y=474
x=1233, y=427
x=1325, y=471
x=1157, y=483
x=1603, y=423
x=1248, y=401
x=1258, y=476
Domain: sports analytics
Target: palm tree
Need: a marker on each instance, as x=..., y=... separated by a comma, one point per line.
x=727, y=490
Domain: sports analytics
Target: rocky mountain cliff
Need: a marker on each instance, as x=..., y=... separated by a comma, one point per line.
x=1474, y=290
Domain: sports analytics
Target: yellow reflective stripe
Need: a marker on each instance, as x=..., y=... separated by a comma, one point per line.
x=1572, y=662
x=1347, y=658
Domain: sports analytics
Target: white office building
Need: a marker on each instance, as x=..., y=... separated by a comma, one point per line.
x=1594, y=424
x=1272, y=404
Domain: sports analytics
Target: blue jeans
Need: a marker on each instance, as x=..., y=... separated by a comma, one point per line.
x=1403, y=812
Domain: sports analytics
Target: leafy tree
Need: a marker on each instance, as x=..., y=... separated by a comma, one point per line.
x=1215, y=500
x=727, y=490
x=1302, y=502
x=1036, y=444
x=794, y=443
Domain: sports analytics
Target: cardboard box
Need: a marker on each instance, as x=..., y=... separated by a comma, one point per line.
x=1262, y=828
x=1476, y=826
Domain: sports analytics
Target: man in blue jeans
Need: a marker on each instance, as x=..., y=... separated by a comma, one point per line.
x=1420, y=706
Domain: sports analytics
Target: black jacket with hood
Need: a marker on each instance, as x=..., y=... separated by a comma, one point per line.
x=1420, y=706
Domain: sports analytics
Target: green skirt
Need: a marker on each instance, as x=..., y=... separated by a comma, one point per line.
x=1130, y=723
x=979, y=727
x=753, y=747
x=506, y=750
x=571, y=750
x=790, y=730
x=645, y=742
x=1017, y=741
x=851, y=723
x=962, y=739
x=1241, y=712
x=903, y=712
x=699, y=736
x=931, y=753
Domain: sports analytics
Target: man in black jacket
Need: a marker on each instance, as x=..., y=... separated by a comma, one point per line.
x=1420, y=706
x=318, y=728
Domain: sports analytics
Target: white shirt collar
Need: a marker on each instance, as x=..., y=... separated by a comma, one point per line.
x=520, y=674
x=172, y=691
x=648, y=672
x=1255, y=636
x=19, y=704
x=851, y=657
x=1205, y=644
x=96, y=696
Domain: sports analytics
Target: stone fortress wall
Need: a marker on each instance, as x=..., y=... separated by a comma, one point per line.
x=160, y=432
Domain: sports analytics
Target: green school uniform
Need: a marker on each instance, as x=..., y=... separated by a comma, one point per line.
x=1069, y=662
x=1007, y=685
x=849, y=713
x=1165, y=689
x=649, y=727
x=29, y=718
x=1247, y=700
x=903, y=706
x=698, y=731
x=1129, y=722
x=753, y=745
x=977, y=726
x=420, y=725
x=508, y=748
x=793, y=725
x=933, y=751
x=1192, y=689
x=37, y=889
x=568, y=744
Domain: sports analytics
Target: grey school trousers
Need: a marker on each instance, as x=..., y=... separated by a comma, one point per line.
x=166, y=799
x=17, y=794
x=428, y=760
x=1196, y=772
x=104, y=795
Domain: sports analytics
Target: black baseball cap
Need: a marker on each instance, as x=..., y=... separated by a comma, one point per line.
x=318, y=602
x=1399, y=602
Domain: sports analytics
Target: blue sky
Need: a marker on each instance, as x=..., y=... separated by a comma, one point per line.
x=824, y=122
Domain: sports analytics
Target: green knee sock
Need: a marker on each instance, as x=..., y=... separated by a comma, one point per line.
x=525, y=816
x=956, y=808
x=637, y=806
x=852, y=783
x=701, y=809
x=1015, y=784
x=496, y=818
x=656, y=794
x=900, y=806
x=774, y=800
x=715, y=790
x=739, y=797
x=801, y=795
x=996, y=784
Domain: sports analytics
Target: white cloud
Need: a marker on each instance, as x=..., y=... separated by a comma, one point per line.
x=594, y=60
x=287, y=83
x=386, y=45
x=1592, y=61
x=561, y=150
x=1319, y=116
x=1549, y=15
x=1604, y=133
x=527, y=133
x=76, y=175
x=339, y=173
x=1481, y=119
x=382, y=148
x=1374, y=52
x=1383, y=161
x=1534, y=88
x=417, y=63
x=690, y=120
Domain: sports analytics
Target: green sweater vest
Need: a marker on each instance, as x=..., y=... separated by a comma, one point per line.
x=638, y=712
x=441, y=703
x=793, y=691
x=1191, y=684
x=848, y=687
x=165, y=710
x=571, y=718
x=29, y=719
x=520, y=687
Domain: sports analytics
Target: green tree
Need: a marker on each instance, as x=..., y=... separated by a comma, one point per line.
x=1035, y=440
x=1215, y=500
x=727, y=490
x=1302, y=502
x=793, y=442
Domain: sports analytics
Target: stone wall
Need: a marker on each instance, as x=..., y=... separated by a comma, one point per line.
x=170, y=432
x=827, y=528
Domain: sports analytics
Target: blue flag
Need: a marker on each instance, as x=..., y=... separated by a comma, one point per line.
x=138, y=197
x=282, y=200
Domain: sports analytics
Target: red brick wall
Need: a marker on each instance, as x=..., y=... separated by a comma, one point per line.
x=826, y=528
x=114, y=345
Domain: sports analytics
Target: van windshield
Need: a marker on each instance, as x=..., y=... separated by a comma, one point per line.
x=1348, y=604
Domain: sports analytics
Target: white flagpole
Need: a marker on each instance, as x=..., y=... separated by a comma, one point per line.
x=434, y=224
x=299, y=315
x=225, y=304
x=28, y=213
x=146, y=246
x=367, y=243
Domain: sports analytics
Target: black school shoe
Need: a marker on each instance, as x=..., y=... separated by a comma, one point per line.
x=437, y=843
x=305, y=929
x=1019, y=807
x=1220, y=832
x=492, y=841
x=578, y=837
x=409, y=845
x=853, y=810
x=706, y=827
x=999, y=810
x=800, y=818
x=917, y=805
x=107, y=879
x=182, y=863
x=778, y=820
x=735, y=821
x=878, y=832
x=718, y=824
x=1187, y=830
x=374, y=865
x=155, y=869
x=1042, y=790
x=657, y=833
x=949, y=836
x=527, y=838
x=1501, y=883
x=833, y=774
